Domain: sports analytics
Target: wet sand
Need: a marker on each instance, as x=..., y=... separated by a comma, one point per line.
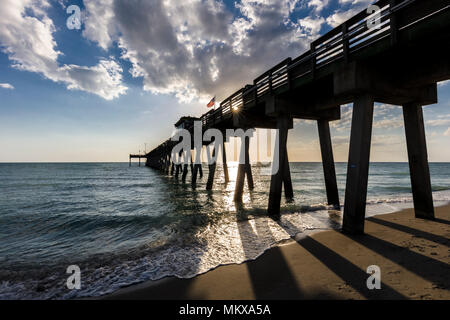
x=413, y=255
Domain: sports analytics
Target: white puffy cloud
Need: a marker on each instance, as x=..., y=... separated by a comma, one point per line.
x=6, y=86
x=438, y=122
x=310, y=27
x=195, y=49
x=341, y=15
x=353, y=2
x=318, y=5
x=26, y=36
x=338, y=17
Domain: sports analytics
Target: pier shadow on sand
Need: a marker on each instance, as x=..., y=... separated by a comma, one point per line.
x=421, y=265
x=353, y=276
x=270, y=275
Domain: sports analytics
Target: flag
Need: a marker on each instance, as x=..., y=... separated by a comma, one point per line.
x=211, y=103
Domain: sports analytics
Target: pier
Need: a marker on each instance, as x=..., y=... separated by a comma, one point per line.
x=399, y=62
x=137, y=156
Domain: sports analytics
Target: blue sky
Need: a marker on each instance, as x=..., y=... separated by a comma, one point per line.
x=135, y=67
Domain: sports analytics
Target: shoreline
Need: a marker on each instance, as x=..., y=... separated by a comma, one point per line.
x=413, y=255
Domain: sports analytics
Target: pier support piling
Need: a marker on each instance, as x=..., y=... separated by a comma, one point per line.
x=358, y=165
x=200, y=171
x=196, y=166
x=172, y=167
x=225, y=165
x=244, y=169
x=248, y=166
x=287, y=181
x=418, y=161
x=178, y=167
x=194, y=174
x=280, y=175
x=212, y=169
x=329, y=170
x=185, y=172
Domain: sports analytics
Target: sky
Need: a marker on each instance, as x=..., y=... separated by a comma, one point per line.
x=118, y=83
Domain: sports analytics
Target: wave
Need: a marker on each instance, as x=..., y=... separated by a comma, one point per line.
x=440, y=188
x=184, y=248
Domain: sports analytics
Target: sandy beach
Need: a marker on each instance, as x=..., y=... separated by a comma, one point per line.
x=413, y=255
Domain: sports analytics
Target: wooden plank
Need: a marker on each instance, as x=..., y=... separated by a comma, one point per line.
x=418, y=161
x=358, y=165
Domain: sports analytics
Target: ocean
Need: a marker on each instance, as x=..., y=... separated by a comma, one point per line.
x=123, y=225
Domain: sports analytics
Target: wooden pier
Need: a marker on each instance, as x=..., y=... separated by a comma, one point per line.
x=137, y=156
x=399, y=63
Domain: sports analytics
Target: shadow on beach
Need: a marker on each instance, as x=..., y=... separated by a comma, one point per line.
x=412, y=255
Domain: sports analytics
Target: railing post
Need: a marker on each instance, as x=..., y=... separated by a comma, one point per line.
x=270, y=82
x=255, y=94
x=393, y=22
x=313, y=59
x=288, y=75
x=345, y=41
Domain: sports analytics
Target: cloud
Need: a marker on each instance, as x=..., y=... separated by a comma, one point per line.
x=341, y=15
x=310, y=27
x=192, y=49
x=318, y=5
x=385, y=116
x=447, y=133
x=6, y=86
x=355, y=2
x=442, y=120
x=197, y=48
x=26, y=36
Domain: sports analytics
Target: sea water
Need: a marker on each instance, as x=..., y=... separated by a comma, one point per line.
x=123, y=225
